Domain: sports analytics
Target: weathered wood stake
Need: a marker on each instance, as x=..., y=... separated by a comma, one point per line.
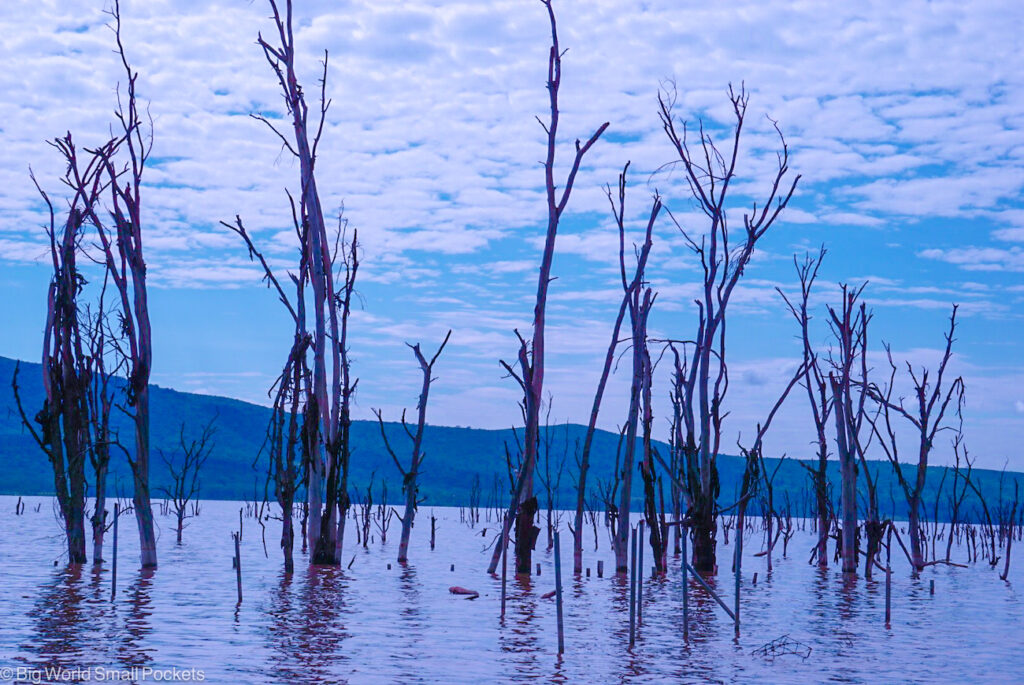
x=558, y=592
x=600, y=568
x=238, y=565
x=504, y=572
x=640, y=574
x=113, y=567
x=632, y=591
x=739, y=571
x=888, y=595
x=685, y=534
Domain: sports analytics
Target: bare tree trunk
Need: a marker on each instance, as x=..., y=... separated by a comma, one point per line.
x=531, y=357
x=584, y=464
x=639, y=300
x=848, y=473
x=288, y=540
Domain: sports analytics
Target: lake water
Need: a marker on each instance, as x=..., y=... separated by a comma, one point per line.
x=369, y=624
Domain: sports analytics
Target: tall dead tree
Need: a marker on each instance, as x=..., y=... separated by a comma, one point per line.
x=848, y=382
x=584, y=462
x=332, y=276
x=292, y=434
x=928, y=416
x=818, y=398
x=120, y=241
x=639, y=299
x=709, y=174
x=64, y=420
x=409, y=485
x=523, y=507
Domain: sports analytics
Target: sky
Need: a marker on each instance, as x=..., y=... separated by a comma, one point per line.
x=904, y=120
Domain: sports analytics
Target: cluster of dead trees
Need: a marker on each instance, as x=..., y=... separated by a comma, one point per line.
x=308, y=448
x=700, y=377
x=86, y=343
x=848, y=407
x=97, y=351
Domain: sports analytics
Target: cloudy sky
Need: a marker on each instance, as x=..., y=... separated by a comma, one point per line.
x=906, y=121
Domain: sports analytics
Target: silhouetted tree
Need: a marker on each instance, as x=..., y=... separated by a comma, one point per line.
x=530, y=376
x=710, y=174
x=184, y=473
x=410, y=487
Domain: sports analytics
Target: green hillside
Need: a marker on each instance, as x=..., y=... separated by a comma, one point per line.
x=455, y=456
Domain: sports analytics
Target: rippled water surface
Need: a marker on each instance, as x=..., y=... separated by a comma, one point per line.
x=368, y=623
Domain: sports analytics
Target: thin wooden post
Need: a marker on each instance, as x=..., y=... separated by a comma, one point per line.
x=888, y=594
x=504, y=568
x=640, y=574
x=558, y=592
x=888, y=576
x=113, y=567
x=600, y=568
x=632, y=590
x=433, y=531
x=739, y=570
x=686, y=586
x=238, y=564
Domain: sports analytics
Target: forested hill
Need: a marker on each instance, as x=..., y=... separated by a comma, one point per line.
x=456, y=457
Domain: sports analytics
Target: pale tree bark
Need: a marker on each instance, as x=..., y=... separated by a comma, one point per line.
x=531, y=355
x=928, y=417
x=409, y=476
x=710, y=174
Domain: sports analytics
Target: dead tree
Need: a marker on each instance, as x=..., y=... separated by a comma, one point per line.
x=959, y=493
x=818, y=397
x=584, y=462
x=530, y=377
x=185, y=474
x=332, y=275
x=639, y=299
x=409, y=485
x=928, y=417
x=755, y=474
x=709, y=174
x=121, y=244
x=292, y=433
x=65, y=420
x=1011, y=521
x=850, y=329
x=551, y=481
x=101, y=394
